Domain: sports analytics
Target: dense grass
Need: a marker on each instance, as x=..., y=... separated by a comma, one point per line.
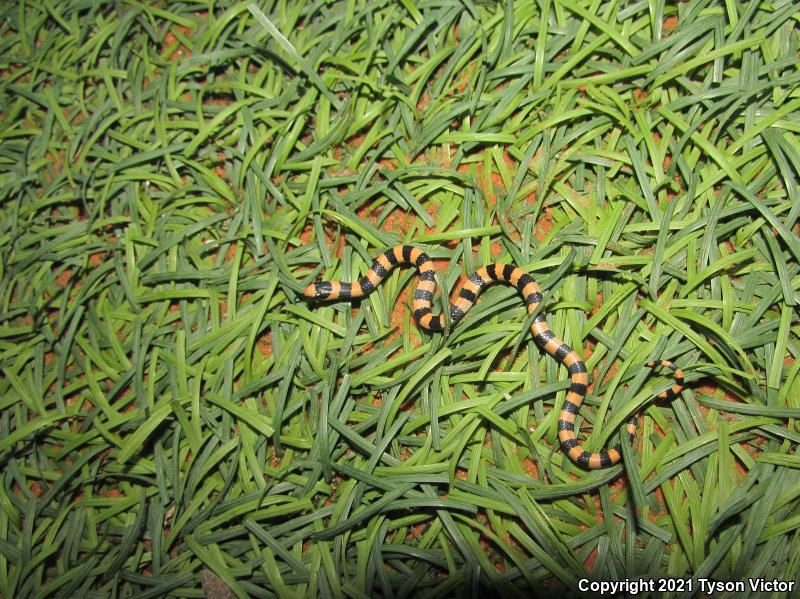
x=174, y=415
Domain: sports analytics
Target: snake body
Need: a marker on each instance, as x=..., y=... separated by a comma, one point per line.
x=528, y=288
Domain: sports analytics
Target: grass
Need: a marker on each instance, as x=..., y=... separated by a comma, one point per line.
x=174, y=416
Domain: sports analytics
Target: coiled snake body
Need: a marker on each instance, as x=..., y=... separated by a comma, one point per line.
x=512, y=275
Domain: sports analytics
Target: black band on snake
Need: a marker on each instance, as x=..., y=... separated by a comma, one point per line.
x=512, y=275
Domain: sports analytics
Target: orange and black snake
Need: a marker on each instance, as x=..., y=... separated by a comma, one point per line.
x=512, y=275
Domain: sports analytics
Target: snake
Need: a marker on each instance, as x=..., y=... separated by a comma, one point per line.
x=465, y=299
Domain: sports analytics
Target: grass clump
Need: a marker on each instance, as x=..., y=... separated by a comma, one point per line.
x=172, y=413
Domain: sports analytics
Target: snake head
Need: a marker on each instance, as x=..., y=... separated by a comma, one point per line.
x=321, y=290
